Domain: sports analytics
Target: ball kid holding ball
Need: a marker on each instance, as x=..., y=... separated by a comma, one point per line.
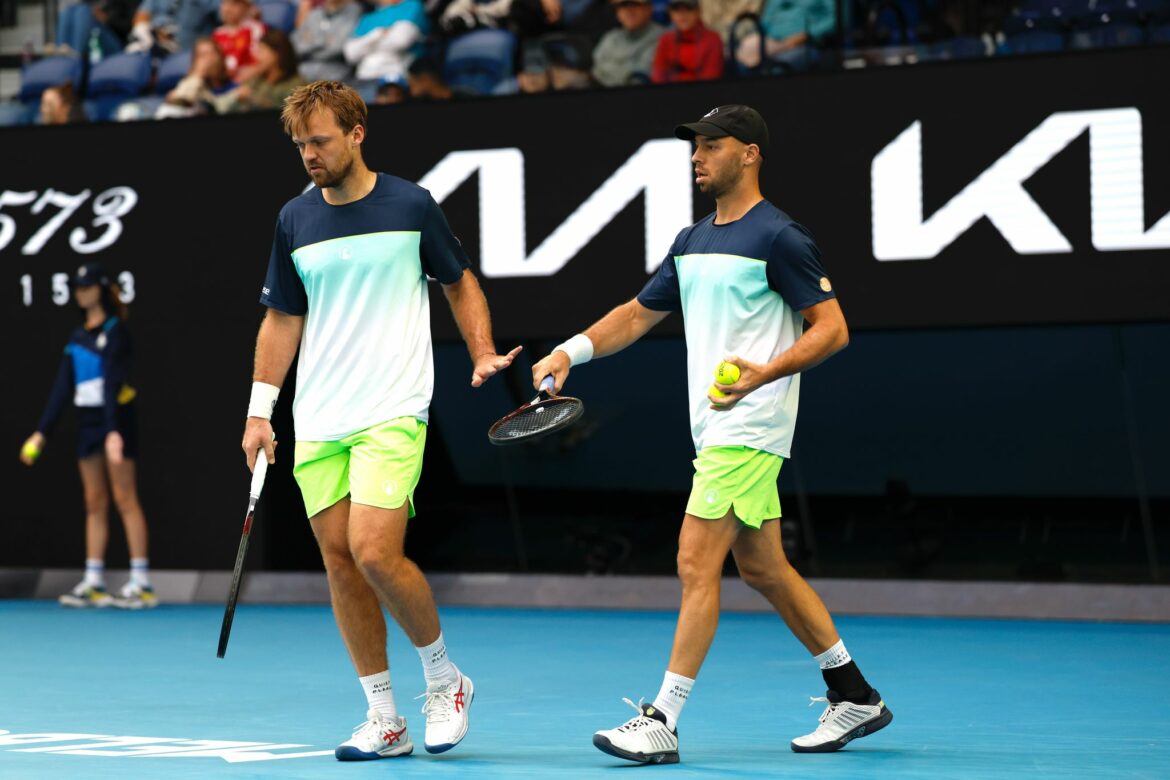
x=747, y=280
x=95, y=372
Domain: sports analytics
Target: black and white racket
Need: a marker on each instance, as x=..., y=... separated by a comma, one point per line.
x=258, y=474
x=544, y=414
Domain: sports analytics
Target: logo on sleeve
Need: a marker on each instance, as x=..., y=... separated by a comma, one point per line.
x=346, y=254
x=266, y=291
x=825, y=284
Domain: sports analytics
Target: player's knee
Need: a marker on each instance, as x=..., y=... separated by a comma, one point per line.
x=97, y=501
x=758, y=578
x=374, y=558
x=125, y=500
x=695, y=568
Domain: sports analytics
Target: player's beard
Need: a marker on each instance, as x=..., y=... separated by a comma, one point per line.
x=333, y=179
x=724, y=184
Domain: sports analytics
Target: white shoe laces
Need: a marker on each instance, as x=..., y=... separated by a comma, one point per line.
x=373, y=722
x=829, y=710
x=439, y=706
x=638, y=722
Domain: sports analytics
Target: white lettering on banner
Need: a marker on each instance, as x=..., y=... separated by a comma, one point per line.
x=152, y=747
x=1116, y=191
x=660, y=169
x=108, y=208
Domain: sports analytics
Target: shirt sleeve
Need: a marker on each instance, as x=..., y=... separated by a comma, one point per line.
x=794, y=269
x=662, y=292
x=58, y=396
x=441, y=253
x=283, y=288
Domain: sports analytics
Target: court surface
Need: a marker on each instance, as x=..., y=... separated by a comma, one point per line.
x=971, y=698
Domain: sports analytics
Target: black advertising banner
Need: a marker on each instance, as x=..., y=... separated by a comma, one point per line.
x=1014, y=191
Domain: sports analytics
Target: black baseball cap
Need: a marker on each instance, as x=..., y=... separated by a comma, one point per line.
x=741, y=122
x=89, y=275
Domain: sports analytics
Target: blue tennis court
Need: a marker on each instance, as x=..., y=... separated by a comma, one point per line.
x=115, y=694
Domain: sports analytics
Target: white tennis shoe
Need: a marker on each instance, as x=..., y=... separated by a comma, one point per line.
x=644, y=738
x=135, y=596
x=446, y=707
x=842, y=722
x=86, y=595
x=378, y=737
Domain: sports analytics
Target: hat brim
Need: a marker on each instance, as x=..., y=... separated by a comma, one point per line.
x=688, y=131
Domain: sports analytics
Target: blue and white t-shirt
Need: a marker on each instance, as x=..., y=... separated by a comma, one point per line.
x=741, y=288
x=358, y=274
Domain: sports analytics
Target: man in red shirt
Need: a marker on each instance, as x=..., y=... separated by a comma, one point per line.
x=688, y=51
x=237, y=38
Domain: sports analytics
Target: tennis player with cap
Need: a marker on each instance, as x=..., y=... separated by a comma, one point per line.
x=746, y=278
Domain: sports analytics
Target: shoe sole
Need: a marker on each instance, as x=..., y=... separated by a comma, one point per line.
x=865, y=729
x=353, y=754
x=76, y=603
x=443, y=748
x=603, y=744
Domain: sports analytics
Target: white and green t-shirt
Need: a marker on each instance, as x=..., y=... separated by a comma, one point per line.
x=741, y=288
x=358, y=274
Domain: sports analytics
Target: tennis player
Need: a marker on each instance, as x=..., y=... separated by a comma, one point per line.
x=95, y=373
x=347, y=284
x=747, y=279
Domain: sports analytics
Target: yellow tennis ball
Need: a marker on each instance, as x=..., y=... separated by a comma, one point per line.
x=727, y=373
x=31, y=451
x=715, y=392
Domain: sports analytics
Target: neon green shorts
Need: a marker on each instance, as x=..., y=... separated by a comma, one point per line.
x=378, y=466
x=739, y=477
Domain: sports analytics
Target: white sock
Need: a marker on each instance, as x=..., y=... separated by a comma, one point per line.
x=140, y=572
x=379, y=694
x=672, y=697
x=95, y=572
x=835, y=656
x=437, y=666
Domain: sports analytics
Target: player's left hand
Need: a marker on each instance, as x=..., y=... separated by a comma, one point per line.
x=114, y=445
x=489, y=364
x=751, y=376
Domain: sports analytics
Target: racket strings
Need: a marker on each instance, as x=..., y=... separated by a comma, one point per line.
x=544, y=417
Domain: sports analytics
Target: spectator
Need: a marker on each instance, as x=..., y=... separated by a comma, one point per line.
x=792, y=27
x=688, y=51
x=60, y=106
x=165, y=26
x=626, y=55
x=533, y=76
x=238, y=38
x=719, y=15
x=320, y=40
x=276, y=77
x=304, y=8
x=391, y=92
x=77, y=24
x=386, y=39
x=570, y=62
x=207, y=78
x=425, y=81
x=525, y=17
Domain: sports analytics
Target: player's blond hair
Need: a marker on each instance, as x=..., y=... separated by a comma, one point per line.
x=344, y=101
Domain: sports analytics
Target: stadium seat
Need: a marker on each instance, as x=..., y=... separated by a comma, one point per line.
x=115, y=80
x=1160, y=34
x=1107, y=36
x=13, y=114
x=480, y=60
x=966, y=47
x=49, y=72
x=891, y=22
x=171, y=71
x=279, y=15
x=1033, y=42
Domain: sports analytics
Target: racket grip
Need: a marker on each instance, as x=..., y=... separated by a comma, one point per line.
x=547, y=384
x=258, y=474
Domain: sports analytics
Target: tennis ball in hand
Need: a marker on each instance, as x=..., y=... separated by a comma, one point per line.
x=715, y=392
x=727, y=373
x=30, y=451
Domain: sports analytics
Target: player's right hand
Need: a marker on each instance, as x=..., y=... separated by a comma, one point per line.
x=31, y=449
x=556, y=364
x=258, y=436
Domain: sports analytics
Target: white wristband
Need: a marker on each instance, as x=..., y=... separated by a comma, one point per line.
x=579, y=349
x=263, y=400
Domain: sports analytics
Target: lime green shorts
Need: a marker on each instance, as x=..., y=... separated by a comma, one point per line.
x=379, y=466
x=739, y=477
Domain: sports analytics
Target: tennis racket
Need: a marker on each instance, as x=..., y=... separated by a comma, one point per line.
x=258, y=474
x=544, y=414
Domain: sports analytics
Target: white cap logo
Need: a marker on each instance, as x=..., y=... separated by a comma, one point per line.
x=712, y=112
x=81, y=270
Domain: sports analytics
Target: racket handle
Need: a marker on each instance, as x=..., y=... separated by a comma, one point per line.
x=258, y=474
x=547, y=384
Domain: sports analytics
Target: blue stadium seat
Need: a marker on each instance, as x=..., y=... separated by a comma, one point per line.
x=171, y=71
x=480, y=60
x=13, y=114
x=892, y=22
x=966, y=47
x=1033, y=42
x=49, y=72
x=115, y=80
x=1160, y=34
x=279, y=15
x=1107, y=36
